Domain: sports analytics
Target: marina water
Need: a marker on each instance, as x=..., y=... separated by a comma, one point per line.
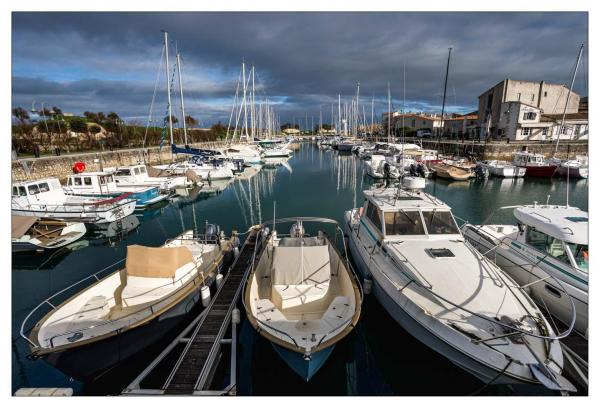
x=378, y=358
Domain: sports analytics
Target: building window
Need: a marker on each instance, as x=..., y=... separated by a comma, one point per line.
x=545, y=132
x=545, y=94
x=529, y=115
x=499, y=132
x=519, y=96
x=414, y=123
x=532, y=97
x=526, y=132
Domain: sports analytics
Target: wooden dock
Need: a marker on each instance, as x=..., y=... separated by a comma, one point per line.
x=192, y=372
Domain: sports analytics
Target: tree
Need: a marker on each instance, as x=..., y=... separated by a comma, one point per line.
x=57, y=110
x=21, y=114
x=190, y=121
x=173, y=119
x=112, y=116
x=79, y=125
x=218, y=131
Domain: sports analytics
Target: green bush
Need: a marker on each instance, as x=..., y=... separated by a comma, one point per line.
x=79, y=125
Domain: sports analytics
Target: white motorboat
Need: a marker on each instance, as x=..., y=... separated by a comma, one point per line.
x=501, y=168
x=205, y=170
x=535, y=164
x=302, y=296
x=34, y=234
x=250, y=154
x=379, y=168
x=408, y=247
x=274, y=148
x=550, y=246
x=126, y=311
x=46, y=199
x=137, y=175
x=103, y=184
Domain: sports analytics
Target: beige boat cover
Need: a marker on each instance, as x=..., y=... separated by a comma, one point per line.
x=154, y=172
x=21, y=224
x=301, y=265
x=148, y=262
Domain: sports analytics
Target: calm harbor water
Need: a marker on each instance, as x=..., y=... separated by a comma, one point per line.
x=378, y=358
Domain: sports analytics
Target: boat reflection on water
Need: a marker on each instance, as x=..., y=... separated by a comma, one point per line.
x=113, y=232
x=46, y=260
x=271, y=163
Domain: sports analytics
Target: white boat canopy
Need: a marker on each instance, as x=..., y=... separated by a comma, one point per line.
x=568, y=224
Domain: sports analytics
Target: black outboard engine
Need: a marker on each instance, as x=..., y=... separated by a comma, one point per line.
x=386, y=170
x=413, y=170
x=481, y=173
x=422, y=170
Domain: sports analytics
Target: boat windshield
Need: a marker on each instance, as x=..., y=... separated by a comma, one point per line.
x=580, y=254
x=403, y=223
x=440, y=222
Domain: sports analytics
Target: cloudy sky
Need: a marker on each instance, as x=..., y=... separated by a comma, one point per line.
x=110, y=61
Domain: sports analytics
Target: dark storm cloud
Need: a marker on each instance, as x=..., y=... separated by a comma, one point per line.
x=108, y=61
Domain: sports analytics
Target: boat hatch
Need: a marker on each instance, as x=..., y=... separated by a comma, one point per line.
x=440, y=253
x=577, y=219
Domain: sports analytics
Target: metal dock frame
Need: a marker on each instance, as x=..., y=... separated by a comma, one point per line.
x=193, y=371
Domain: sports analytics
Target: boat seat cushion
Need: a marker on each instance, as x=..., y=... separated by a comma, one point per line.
x=288, y=296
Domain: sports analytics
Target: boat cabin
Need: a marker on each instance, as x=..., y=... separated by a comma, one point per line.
x=558, y=231
x=45, y=191
x=91, y=183
x=529, y=159
x=400, y=214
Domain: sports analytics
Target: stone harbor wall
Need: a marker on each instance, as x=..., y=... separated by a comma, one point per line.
x=506, y=151
x=62, y=166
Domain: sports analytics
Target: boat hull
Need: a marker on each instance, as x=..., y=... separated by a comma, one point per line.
x=304, y=368
x=539, y=171
x=575, y=172
x=81, y=213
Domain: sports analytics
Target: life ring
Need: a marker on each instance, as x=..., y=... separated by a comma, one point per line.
x=78, y=167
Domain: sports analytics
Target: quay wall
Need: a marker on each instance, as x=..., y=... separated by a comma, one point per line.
x=506, y=151
x=61, y=166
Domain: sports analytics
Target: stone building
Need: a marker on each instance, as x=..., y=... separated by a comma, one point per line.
x=545, y=97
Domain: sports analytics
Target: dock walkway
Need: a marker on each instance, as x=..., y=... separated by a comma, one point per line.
x=192, y=372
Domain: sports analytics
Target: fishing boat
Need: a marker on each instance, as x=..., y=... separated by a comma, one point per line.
x=35, y=234
x=379, y=168
x=102, y=184
x=450, y=172
x=46, y=198
x=534, y=164
x=501, y=168
x=128, y=310
x=137, y=175
x=549, y=245
x=302, y=296
x=408, y=248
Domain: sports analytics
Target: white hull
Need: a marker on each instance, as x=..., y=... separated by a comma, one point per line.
x=79, y=212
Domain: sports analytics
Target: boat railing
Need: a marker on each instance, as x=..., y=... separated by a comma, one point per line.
x=523, y=288
x=96, y=276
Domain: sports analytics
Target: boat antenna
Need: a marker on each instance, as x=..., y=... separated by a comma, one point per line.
x=562, y=121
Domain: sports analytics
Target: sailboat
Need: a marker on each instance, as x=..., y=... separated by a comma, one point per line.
x=302, y=296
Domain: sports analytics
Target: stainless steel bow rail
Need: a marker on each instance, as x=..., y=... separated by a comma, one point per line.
x=194, y=367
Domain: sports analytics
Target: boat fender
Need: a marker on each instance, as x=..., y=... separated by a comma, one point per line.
x=236, y=252
x=219, y=279
x=235, y=316
x=205, y=295
x=367, y=286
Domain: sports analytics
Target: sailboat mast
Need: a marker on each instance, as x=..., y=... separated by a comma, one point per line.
x=357, y=108
x=339, y=124
x=185, y=141
x=244, y=99
x=562, y=121
x=252, y=106
x=168, y=89
x=389, y=114
x=444, y=98
x=372, y=114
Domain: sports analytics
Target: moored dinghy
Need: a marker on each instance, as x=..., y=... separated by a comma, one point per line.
x=302, y=297
x=128, y=310
x=34, y=234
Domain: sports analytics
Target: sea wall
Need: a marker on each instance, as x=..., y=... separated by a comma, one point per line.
x=506, y=151
x=61, y=166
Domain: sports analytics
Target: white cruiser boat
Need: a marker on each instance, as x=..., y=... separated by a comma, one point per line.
x=137, y=175
x=34, y=234
x=248, y=153
x=550, y=246
x=449, y=296
x=501, y=168
x=577, y=168
x=379, y=168
x=103, y=184
x=302, y=296
x=46, y=199
x=206, y=171
x=274, y=148
x=126, y=311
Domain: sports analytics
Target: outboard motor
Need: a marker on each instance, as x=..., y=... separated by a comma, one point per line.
x=297, y=230
x=386, y=170
x=481, y=173
x=422, y=170
x=413, y=170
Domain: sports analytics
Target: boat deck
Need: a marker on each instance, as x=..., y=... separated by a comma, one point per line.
x=192, y=371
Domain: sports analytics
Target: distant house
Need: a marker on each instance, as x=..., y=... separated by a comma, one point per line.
x=462, y=126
